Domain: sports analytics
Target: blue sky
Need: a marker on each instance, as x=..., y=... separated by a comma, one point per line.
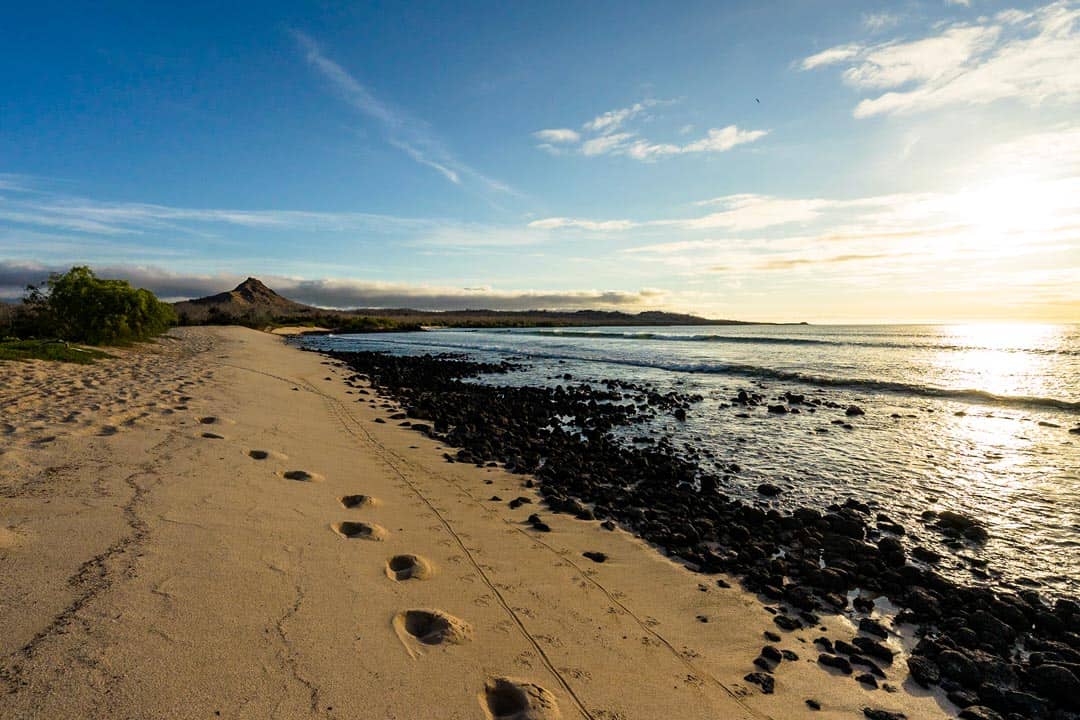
x=771, y=160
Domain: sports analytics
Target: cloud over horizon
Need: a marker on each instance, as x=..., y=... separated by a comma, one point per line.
x=338, y=293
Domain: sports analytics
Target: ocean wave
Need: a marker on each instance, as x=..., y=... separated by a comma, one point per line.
x=773, y=340
x=890, y=386
x=972, y=395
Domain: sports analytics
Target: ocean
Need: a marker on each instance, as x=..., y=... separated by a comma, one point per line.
x=972, y=418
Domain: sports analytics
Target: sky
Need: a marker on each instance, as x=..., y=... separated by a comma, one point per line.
x=821, y=160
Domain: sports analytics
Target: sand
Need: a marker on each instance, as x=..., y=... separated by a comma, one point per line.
x=299, y=329
x=216, y=526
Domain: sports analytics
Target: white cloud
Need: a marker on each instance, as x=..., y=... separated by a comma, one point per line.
x=558, y=135
x=875, y=22
x=555, y=223
x=419, y=157
x=12, y=182
x=142, y=228
x=1019, y=203
x=669, y=248
x=1033, y=57
x=119, y=218
x=551, y=149
x=717, y=140
x=739, y=213
x=350, y=89
x=614, y=119
x=606, y=144
x=833, y=55
x=25, y=214
x=926, y=60
x=1013, y=16
x=746, y=212
x=404, y=132
x=1049, y=153
x=600, y=137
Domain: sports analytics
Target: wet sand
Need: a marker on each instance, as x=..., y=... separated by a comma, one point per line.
x=217, y=526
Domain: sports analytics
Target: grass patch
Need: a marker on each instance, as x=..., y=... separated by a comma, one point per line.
x=48, y=350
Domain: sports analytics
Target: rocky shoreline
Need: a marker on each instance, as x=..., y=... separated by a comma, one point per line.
x=996, y=653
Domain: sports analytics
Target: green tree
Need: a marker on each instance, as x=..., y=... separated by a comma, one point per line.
x=81, y=307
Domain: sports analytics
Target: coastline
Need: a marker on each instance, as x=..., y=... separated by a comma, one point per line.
x=148, y=570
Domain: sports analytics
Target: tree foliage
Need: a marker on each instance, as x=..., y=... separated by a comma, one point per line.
x=80, y=307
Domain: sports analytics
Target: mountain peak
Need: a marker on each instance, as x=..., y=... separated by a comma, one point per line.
x=252, y=284
x=254, y=290
x=252, y=295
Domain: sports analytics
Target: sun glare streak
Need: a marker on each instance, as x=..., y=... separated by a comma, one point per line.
x=990, y=359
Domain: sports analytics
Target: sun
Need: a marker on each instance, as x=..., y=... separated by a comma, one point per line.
x=1010, y=211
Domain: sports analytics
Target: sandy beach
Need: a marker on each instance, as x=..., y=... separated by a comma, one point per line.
x=181, y=537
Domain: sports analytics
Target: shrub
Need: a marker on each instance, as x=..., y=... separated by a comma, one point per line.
x=81, y=307
x=48, y=350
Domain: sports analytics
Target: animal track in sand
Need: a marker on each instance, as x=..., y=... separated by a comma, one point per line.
x=511, y=699
x=359, y=530
x=302, y=476
x=431, y=627
x=357, y=501
x=408, y=567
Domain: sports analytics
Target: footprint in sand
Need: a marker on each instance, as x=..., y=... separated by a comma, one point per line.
x=408, y=567
x=511, y=699
x=264, y=454
x=8, y=538
x=359, y=530
x=302, y=476
x=430, y=627
x=211, y=420
x=356, y=502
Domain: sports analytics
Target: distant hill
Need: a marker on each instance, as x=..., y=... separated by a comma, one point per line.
x=253, y=303
x=250, y=295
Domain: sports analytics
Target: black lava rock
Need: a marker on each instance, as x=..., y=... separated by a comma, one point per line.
x=835, y=661
x=766, y=682
x=924, y=670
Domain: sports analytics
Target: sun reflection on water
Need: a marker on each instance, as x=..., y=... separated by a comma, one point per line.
x=1003, y=478
x=990, y=357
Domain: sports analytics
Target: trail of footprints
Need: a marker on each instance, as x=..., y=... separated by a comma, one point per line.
x=503, y=698
x=90, y=399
